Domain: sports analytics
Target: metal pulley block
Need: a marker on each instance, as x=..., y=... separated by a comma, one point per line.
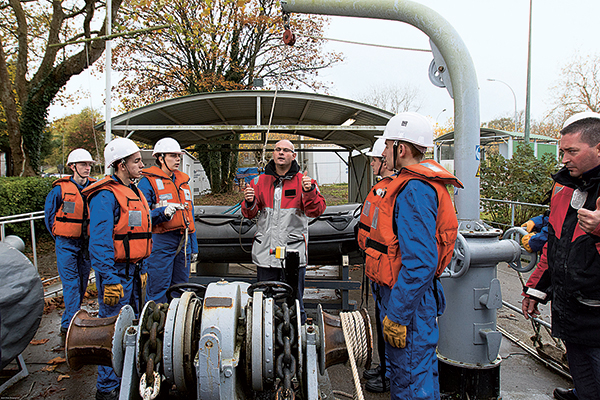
x=289, y=37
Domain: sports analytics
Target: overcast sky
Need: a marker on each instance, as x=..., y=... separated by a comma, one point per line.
x=495, y=33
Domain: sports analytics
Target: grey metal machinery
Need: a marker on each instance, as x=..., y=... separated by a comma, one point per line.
x=229, y=340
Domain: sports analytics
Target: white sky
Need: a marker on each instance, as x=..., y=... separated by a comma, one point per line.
x=494, y=32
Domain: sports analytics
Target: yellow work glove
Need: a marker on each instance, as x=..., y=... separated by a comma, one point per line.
x=144, y=279
x=394, y=334
x=529, y=225
x=112, y=294
x=525, y=241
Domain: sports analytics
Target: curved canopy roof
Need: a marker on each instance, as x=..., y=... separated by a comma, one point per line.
x=489, y=136
x=206, y=117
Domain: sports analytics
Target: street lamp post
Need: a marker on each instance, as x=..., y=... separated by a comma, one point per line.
x=514, y=97
x=438, y=116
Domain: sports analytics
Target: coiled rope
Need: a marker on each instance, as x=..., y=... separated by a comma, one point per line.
x=353, y=326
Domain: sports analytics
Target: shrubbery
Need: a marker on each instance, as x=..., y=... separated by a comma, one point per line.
x=23, y=195
x=523, y=178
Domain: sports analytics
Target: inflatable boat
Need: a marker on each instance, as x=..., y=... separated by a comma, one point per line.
x=227, y=238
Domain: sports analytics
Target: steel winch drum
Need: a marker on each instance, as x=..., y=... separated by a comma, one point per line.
x=227, y=238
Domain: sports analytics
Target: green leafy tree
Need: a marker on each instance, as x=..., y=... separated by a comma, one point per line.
x=524, y=178
x=73, y=132
x=32, y=44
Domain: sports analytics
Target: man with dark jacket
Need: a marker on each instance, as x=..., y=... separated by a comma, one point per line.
x=568, y=273
x=285, y=197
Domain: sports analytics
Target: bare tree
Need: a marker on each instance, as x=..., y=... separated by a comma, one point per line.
x=578, y=88
x=393, y=98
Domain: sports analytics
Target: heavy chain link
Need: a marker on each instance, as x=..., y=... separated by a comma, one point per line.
x=286, y=363
x=150, y=392
x=153, y=328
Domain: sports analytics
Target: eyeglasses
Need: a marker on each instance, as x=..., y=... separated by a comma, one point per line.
x=285, y=150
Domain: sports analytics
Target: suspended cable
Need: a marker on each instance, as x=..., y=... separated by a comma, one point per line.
x=365, y=44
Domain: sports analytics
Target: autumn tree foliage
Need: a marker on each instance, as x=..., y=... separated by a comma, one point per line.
x=33, y=37
x=214, y=46
x=73, y=132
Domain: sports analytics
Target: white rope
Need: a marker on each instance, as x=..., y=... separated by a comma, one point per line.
x=283, y=58
x=354, y=330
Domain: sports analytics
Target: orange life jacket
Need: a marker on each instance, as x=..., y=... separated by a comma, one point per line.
x=371, y=202
x=169, y=190
x=132, y=237
x=383, y=256
x=74, y=213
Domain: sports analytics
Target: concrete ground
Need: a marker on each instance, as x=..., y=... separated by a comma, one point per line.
x=522, y=377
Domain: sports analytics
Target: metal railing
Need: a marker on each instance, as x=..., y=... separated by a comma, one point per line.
x=512, y=208
x=13, y=219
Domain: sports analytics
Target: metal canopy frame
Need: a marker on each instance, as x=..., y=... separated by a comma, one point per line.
x=207, y=117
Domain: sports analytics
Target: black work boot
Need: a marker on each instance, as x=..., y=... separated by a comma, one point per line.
x=565, y=394
x=378, y=385
x=369, y=374
x=112, y=395
x=63, y=336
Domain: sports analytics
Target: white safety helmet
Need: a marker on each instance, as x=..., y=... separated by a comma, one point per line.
x=167, y=145
x=409, y=127
x=79, y=155
x=579, y=116
x=118, y=149
x=377, y=149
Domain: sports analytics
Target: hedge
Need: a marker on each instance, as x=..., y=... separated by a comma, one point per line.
x=23, y=195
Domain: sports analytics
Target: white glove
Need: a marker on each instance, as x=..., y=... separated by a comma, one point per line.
x=171, y=208
x=194, y=257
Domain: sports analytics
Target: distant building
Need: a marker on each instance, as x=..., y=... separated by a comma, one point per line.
x=494, y=140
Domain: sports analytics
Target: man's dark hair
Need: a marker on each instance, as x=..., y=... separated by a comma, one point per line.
x=157, y=159
x=589, y=128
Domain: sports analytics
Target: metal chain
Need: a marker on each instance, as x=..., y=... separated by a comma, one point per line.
x=286, y=363
x=151, y=344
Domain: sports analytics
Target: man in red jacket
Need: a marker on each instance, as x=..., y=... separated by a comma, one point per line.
x=568, y=273
x=285, y=197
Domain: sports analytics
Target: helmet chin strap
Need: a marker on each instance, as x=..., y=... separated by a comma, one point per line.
x=380, y=166
x=165, y=164
x=77, y=172
x=395, y=151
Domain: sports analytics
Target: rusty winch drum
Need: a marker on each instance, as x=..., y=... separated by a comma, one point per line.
x=97, y=341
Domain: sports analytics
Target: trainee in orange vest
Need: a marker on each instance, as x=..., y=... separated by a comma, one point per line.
x=384, y=260
x=366, y=215
x=169, y=190
x=74, y=212
x=132, y=237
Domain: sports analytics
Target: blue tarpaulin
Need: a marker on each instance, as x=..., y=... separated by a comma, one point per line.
x=247, y=174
